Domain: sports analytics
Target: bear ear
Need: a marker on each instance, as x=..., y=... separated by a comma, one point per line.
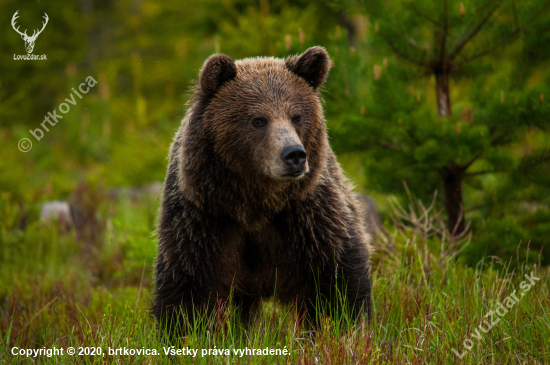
x=312, y=66
x=217, y=70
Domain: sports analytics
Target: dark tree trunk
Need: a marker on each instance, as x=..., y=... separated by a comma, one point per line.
x=442, y=90
x=452, y=180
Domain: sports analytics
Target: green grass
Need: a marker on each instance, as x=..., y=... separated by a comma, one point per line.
x=53, y=293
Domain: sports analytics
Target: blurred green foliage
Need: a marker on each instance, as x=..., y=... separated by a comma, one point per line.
x=146, y=54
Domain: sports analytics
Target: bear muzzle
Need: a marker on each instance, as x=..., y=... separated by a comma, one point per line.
x=295, y=158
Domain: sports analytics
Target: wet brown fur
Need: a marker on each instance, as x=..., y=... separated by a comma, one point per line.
x=227, y=226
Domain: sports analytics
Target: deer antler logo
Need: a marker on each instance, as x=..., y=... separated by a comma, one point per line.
x=29, y=41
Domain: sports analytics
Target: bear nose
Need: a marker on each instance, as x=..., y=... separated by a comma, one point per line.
x=294, y=157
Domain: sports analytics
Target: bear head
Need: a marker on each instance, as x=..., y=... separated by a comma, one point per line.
x=257, y=126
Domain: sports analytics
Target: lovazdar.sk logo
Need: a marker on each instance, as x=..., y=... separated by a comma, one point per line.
x=29, y=40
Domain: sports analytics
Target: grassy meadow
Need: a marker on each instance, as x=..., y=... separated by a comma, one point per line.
x=55, y=292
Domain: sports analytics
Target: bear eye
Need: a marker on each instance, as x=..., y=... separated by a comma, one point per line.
x=259, y=122
x=296, y=119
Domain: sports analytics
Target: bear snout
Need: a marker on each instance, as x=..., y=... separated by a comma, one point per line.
x=295, y=157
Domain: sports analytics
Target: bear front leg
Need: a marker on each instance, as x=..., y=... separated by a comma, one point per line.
x=332, y=258
x=187, y=287
x=340, y=291
x=340, y=288
x=178, y=300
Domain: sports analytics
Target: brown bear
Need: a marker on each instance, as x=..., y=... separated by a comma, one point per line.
x=254, y=203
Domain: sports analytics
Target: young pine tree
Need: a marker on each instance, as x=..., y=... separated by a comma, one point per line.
x=447, y=94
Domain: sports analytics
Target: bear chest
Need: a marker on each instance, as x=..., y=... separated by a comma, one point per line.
x=252, y=259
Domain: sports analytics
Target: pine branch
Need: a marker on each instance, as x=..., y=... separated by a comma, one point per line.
x=413, y=43
x=469, y=163
x=487, y=5
x=542, y=11
x=413, y=137
x=403, y=55
x=424, y=15
x=472, y=34
x=535, y=158
x=349, y=25
x=482, y=172
x=502, y=42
